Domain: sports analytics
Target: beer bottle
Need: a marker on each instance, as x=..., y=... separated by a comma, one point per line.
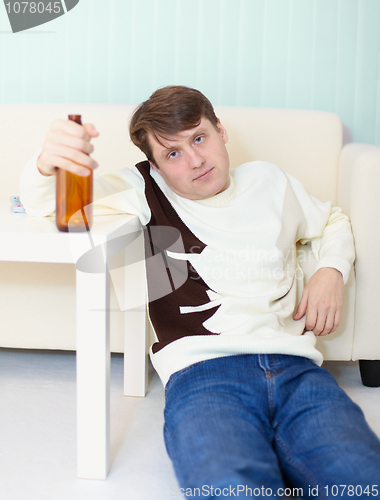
x=73, y=198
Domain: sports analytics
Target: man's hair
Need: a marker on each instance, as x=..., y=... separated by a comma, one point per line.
x=168, y=110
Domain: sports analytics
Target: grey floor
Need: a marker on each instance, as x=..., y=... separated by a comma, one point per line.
x=38, y=437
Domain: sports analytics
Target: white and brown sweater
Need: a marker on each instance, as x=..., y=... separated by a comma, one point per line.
x=230, y=261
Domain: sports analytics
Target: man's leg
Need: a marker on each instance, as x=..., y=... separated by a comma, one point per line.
x=217, y=430
x=322, y=437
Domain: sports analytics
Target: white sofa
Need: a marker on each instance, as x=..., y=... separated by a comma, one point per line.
x=307, y=144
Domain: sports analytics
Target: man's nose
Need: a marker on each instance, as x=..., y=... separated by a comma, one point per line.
x=195, y=159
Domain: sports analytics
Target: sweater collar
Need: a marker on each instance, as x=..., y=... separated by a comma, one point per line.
x=221, y=198
x=214, y=201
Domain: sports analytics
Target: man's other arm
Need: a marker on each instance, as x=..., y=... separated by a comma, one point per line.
x=328, y=230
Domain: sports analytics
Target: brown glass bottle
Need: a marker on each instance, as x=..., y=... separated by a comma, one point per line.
x=73, y=196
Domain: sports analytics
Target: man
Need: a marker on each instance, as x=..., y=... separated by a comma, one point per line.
x=247, y=404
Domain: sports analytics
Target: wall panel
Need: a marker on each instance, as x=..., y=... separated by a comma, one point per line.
x=250, y=56
x=313, y=54
x=300, y=48
x=275, y=53
x=324, y=55
x=347, y=41
x=367, y=70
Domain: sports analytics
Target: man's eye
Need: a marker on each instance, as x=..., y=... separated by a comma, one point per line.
x=199, y=139
x=173, y=154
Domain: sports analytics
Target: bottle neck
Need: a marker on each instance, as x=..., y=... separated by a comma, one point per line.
x=76, y=119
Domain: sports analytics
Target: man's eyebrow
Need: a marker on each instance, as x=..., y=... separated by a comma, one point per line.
x=200, y=131
x=197, y=133
x=191, y=137
x=165, y=150
x=168, y=148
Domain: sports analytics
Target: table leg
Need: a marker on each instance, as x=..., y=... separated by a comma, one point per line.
x=135, y=353
x=93, y=374
x=132, y=280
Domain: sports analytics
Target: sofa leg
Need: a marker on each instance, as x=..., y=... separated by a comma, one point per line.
x=370, y=372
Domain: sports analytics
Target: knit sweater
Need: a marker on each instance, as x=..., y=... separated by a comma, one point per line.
x=223, y=274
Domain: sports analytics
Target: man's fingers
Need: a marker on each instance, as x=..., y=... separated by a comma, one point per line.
x=335, y=322
x=69, y=127
x=68, y=146
x=71, y=154
x=55, y=139
x=338, y=315
x=322, y=299
x=311, y=319
x=69, y=159
x=301, y=310
x=323, y=325
x=86, y=131
x=327, y=324
x=91, y=130
x=71, y=166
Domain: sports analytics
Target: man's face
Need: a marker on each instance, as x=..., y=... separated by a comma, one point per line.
x=194, y=163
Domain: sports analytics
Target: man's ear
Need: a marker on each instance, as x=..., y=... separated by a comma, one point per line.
x=154, y=167
x=223, y=132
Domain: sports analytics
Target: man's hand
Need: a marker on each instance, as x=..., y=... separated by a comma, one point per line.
x=322, y=301
x=67, y=146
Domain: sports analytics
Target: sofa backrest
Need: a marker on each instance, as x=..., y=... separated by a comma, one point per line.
x=306, y=144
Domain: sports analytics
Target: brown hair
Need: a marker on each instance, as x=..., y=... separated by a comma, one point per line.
x=168, y=110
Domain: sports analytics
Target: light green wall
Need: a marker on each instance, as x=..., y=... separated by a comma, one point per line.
x=313, y=54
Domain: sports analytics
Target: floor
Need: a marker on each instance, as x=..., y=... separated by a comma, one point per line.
x=38, y=437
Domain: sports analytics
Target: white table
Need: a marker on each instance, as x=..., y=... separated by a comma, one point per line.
x=36, y=239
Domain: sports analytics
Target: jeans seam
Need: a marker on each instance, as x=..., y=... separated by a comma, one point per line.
x=276, y=365
x=271, y=404
x=174, y=376
x=295, y=464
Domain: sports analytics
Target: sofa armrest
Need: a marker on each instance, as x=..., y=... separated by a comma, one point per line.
x=359, y=189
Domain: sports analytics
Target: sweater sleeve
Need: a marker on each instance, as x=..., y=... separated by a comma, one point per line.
x=121, y=191
x=327, y=229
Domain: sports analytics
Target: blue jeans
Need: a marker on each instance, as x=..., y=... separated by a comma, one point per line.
x=260, y=425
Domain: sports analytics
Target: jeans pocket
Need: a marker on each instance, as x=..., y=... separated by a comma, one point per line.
x=311, y=362
x=174, y=376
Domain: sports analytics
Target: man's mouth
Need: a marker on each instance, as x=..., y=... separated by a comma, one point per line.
x=204, y=175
